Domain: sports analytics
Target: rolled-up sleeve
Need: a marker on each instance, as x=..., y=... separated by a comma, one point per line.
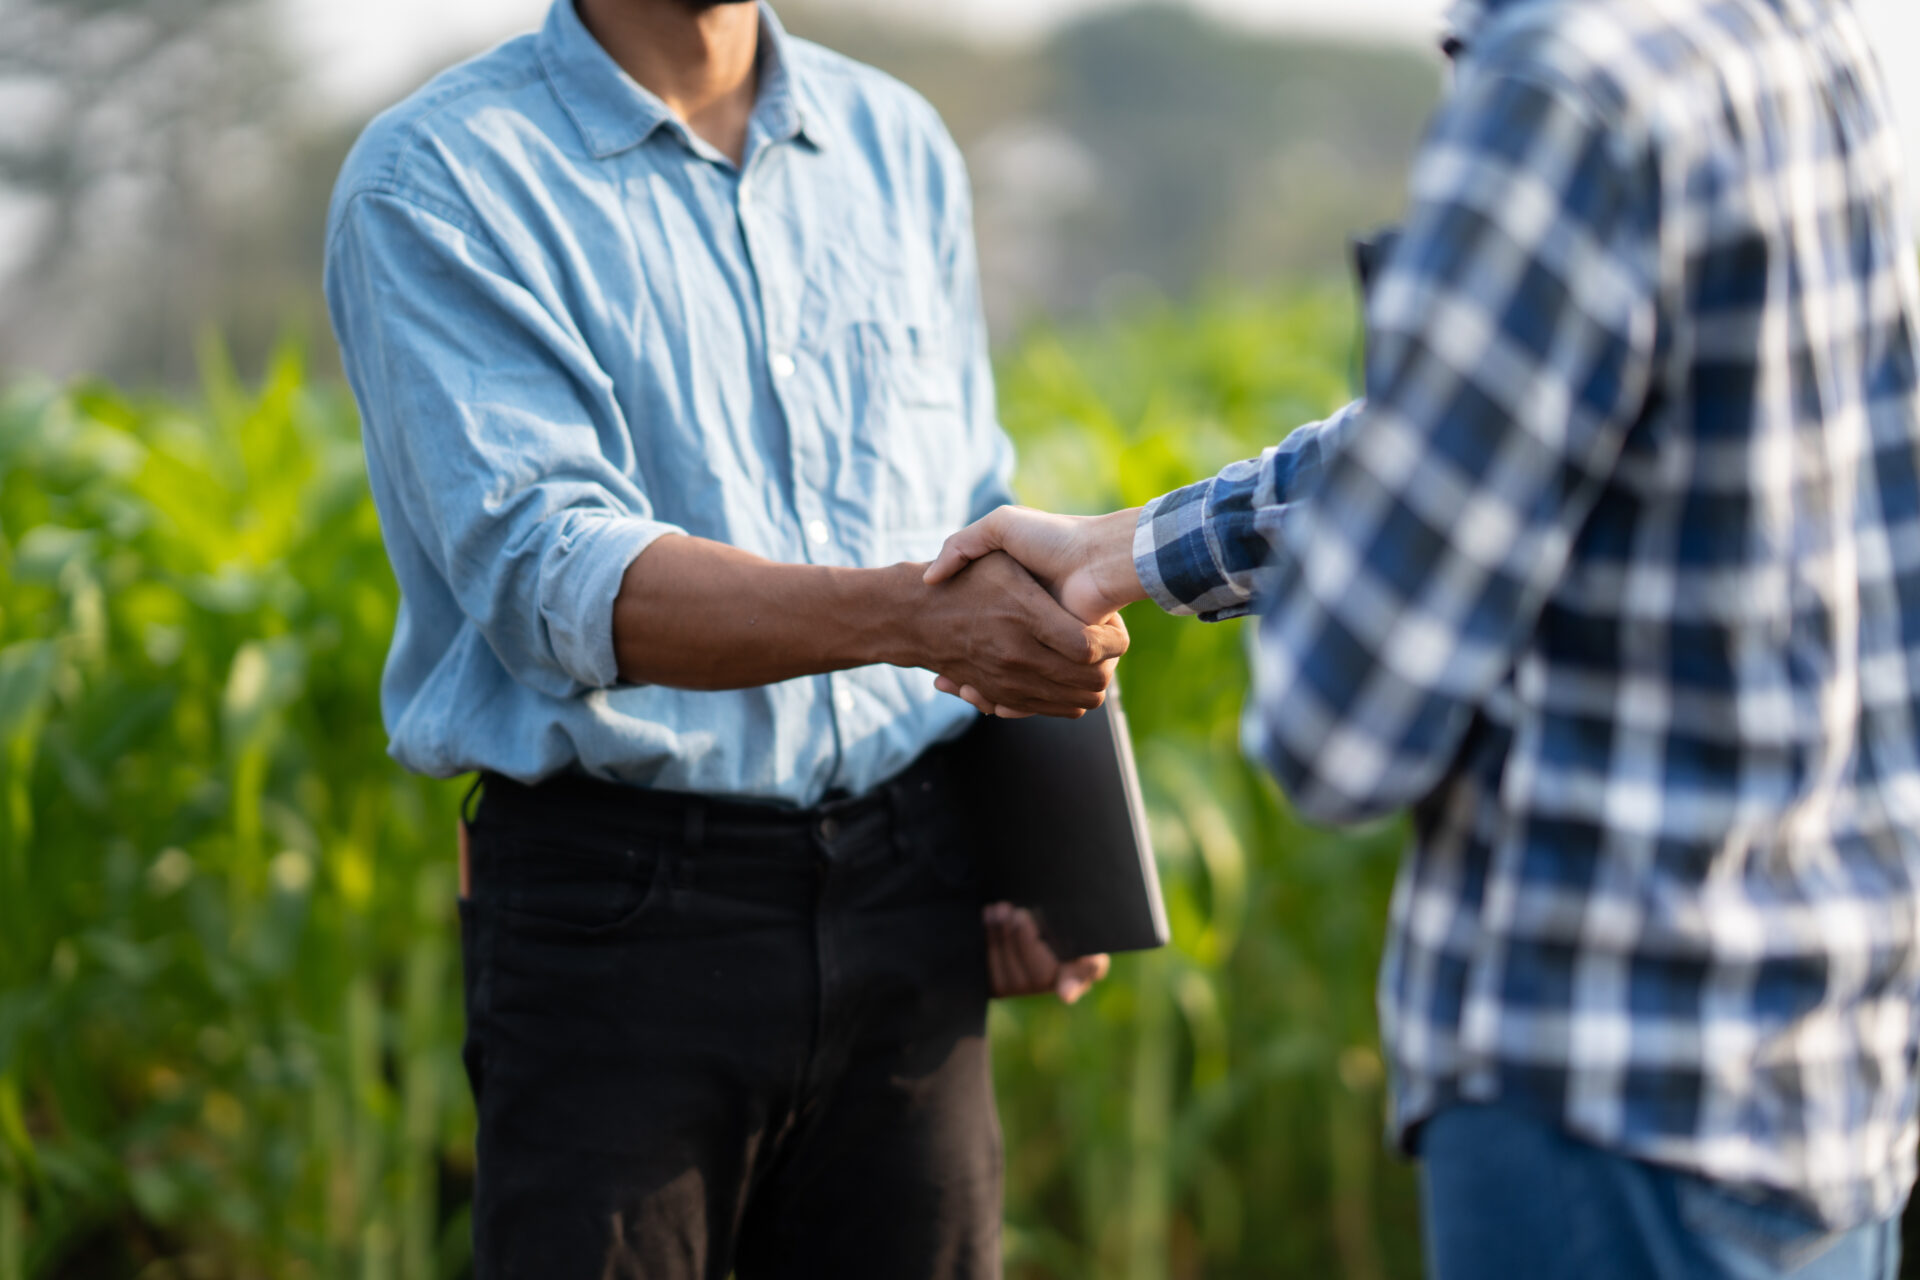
x=495, y=443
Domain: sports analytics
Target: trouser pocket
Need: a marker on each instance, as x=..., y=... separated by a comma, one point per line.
x=1783, y=1241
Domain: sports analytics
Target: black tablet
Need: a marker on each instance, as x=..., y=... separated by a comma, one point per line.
x=1056, y=815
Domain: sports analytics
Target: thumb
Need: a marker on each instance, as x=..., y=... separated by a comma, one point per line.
x=981, y=538
x=1078, y=976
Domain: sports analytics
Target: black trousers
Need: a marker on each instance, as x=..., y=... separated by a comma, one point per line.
x=708, y=1039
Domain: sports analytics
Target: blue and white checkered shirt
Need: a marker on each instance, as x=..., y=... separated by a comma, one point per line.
x=1614, y=578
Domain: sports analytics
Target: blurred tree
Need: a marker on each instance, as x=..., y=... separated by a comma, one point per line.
x=175, y=172
x=144, y=152
x=1223, y=156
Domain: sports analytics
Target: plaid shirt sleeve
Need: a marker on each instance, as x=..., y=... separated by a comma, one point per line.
x=1203, y=550
x=1510, y=344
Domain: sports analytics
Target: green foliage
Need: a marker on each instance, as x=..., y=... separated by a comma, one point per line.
x=228, y=1024
x=229, y=997
x=1215, y=1109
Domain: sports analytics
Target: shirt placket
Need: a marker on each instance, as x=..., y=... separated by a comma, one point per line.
x=773, y=278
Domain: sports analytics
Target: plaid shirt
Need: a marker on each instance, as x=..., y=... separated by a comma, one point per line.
x=1614, y=578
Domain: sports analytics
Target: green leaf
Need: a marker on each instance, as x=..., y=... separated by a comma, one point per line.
x=13, y=1127
x=26, y=683
x=266, y=676
x=45, y=552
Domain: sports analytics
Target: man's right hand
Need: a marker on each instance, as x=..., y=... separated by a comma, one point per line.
x=694, y=614
x=992, y=628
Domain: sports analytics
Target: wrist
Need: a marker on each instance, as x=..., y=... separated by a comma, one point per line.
x=887, y=607
x=1111, y=563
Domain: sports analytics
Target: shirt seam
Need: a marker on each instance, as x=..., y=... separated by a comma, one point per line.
x=418, y=202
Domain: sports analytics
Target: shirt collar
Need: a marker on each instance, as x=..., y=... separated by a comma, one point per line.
x=1464, y=20
x=615, y=113
x=1467, y=18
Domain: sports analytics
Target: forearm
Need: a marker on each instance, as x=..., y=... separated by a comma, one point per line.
x=694, y=614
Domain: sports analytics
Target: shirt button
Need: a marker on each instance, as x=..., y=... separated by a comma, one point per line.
x=817, y=532
x=844, y=699
x=829, y=828
x=783, y=365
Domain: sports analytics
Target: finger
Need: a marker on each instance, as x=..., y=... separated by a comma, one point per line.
x=1017, y=981
x=1049, y=697
x=1100, y=643
x=997, y=980
x=1077, y=977
x=966, y=693
x=1046, y=620
x=1034, y=958
x=1040, y=682
x=1016, y=975
x=1028, y=708
x=1020, y=700
x=1063, y=633
x=980, y=538
x=1071, y=987
x=1045, y=675
x=1109, y=639
x=1038, y=670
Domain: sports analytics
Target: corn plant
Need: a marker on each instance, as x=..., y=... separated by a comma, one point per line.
x=1216, y=1109
x=228, y=999
x=229, y=989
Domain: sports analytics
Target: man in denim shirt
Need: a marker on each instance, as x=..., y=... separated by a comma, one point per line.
x=665, y=330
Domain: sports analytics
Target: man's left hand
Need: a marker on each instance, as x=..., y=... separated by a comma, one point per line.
x=1020, y=963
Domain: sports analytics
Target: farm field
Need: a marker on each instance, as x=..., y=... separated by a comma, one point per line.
x=229, y=971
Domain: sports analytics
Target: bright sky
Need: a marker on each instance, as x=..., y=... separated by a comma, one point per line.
x=366, y=52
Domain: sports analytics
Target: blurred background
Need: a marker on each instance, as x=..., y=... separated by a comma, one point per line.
x=164, y=164
x=229, y=983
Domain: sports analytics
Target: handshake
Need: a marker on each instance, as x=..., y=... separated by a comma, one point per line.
x=1051, y=639
x=1059, y=583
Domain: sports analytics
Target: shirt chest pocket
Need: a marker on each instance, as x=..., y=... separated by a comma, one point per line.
x=914, y=429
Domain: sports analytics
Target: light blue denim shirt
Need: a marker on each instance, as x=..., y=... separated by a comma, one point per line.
x=574, y=327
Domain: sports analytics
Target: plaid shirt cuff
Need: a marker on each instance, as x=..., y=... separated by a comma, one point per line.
x=1197, y=550
x=1206, y=550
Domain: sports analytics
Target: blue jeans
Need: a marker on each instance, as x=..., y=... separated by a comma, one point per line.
x=1509, y=1195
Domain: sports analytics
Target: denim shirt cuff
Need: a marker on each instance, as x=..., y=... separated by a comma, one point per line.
x=579, y=588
